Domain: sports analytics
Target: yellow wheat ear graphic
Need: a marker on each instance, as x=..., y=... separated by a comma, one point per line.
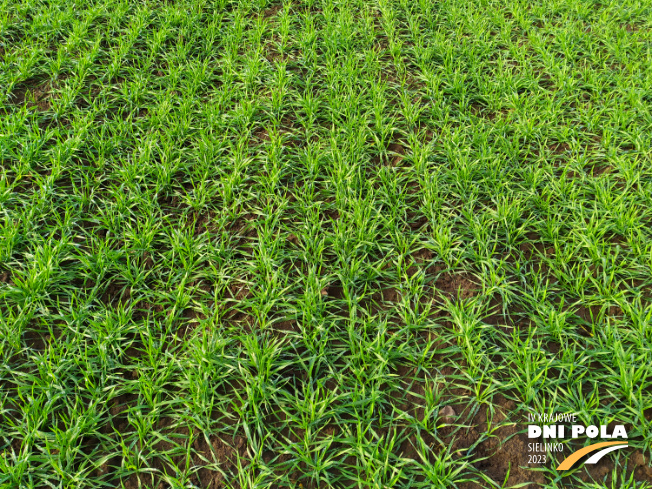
x=574, y=457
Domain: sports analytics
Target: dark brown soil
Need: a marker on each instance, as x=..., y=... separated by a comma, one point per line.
x=5, y=277
x=456, y=286
x=504, y=451
x=35, y=96
x=218, y=451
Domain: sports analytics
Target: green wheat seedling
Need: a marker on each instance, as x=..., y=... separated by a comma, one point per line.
x=321, y=244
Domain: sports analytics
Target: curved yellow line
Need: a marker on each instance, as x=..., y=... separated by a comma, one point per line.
x=574, y=457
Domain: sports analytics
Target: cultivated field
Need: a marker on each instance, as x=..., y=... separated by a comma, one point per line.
x=322, y=243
